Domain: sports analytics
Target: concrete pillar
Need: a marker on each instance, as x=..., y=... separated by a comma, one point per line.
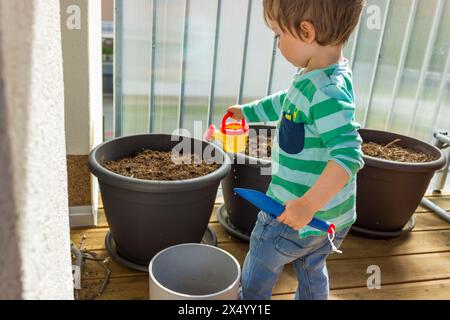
x=81, y=30
x=35, y=258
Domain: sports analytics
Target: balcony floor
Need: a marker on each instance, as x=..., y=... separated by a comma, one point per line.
x=416, y=266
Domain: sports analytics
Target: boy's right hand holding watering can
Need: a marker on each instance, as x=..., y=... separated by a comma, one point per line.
x=236, y=110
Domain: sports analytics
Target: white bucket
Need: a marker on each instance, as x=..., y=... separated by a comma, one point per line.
x=194, y=272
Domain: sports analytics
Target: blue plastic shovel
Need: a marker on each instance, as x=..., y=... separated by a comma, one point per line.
x=273, y=208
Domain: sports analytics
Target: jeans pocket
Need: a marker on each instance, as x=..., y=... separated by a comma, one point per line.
x=291, y=136
x=296, y=248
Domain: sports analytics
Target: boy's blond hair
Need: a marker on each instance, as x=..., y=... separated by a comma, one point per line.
x=333, y=20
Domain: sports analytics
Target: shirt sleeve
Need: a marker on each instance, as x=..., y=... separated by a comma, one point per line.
x=334, y=120
x=265, y=110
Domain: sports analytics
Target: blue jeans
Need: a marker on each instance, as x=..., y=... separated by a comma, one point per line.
x=272, y=246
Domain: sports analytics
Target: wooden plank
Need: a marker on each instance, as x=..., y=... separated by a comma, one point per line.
x=134, y=288
x=429, y=221
x=343, y=274
x=443, y=202
x=444, y=193
x=353, y=272
x=284, y=296
x=100, y=201
x=426, y=290
x=223, y=236
x=355, y=247
x=213, y=218
x=414, y=243
x=412, y=266
x=394, y=270
x=101, y=219
x=95, y=237
x=93, y=270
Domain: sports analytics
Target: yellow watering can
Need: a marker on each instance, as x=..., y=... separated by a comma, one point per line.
x=232, y=135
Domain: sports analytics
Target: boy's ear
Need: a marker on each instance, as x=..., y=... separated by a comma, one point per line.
x=308, y=32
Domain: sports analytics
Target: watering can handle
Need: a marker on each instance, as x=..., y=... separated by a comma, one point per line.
x=228, y=116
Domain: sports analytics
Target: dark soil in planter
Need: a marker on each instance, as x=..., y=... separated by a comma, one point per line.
x=259, y=147
x=159, y=166
x=393, y=152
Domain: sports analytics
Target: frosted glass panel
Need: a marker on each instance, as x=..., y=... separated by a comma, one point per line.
x=405, y=101
x=364, y=58
x=184, y=74
x=200, y=49
x=388, y=64
x=135, y=46
x=428, y=106
x=169, y=48
x=259, y=56
x=230, y=53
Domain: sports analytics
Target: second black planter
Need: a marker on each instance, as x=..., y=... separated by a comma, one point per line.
x=246, y=172
x=388, y=193
x=146, y=217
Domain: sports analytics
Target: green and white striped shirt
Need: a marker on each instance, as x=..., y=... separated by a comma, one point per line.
x=315, y=124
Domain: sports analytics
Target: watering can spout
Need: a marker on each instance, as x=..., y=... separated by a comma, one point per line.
x=212, y=134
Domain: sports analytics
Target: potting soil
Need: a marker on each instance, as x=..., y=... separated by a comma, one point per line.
x=259, y=147
x=393, y=152
x=159, y=166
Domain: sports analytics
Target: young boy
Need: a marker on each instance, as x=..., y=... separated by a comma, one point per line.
x=317, y=149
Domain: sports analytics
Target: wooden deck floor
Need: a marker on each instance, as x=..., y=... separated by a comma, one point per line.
x=416, y=266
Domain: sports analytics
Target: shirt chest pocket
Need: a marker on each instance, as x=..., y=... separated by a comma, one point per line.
x=291, y=135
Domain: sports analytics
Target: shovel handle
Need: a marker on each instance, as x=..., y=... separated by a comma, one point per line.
x=275, y=209
x=320, y=225
x=323, y=226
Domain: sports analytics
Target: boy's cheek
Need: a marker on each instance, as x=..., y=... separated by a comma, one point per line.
x=295, y=55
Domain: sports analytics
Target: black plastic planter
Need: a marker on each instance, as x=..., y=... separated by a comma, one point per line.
x=388, y=193
x=237, y=215
x=146, y=217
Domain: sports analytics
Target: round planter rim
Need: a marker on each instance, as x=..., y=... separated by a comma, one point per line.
x=156, y=282
x=118, y=180
x=405, y=166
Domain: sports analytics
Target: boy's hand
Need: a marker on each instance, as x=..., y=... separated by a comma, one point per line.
x=298, y=214
x=236, y=111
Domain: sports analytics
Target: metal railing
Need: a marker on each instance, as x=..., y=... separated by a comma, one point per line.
x=438, y=26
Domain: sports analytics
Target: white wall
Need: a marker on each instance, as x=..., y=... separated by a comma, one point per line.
x=82, y=52
x=82, y=55
x=34, y=223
